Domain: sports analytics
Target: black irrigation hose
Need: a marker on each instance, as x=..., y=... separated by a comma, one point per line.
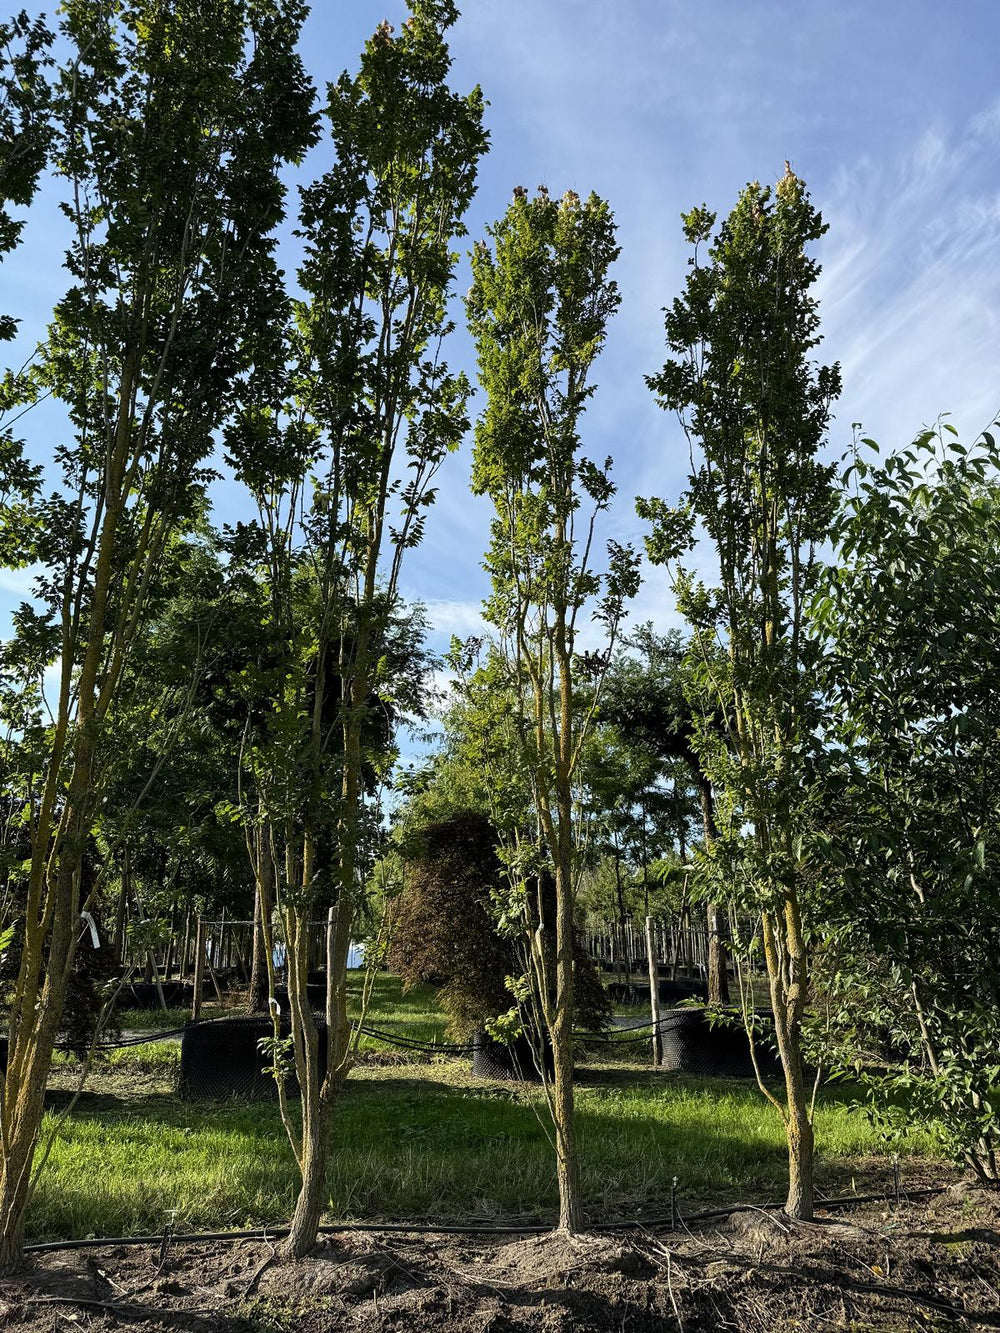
x=145, y=1038
x=390, y=1038
x=451, y=1229
x=413, y=1044
x=615, y=1041
x=596, y=1039
x=664, y=1025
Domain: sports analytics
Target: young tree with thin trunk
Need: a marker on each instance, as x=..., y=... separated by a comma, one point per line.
x=757, y=408
x=375, y=413
x=169, y=124
x=538, y=310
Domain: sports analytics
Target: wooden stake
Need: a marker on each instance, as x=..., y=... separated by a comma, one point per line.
x=199, y=967
x=331, y=935
x=183, y=968
x=654, y=994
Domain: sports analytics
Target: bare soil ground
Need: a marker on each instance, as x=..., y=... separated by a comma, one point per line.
x=930, y=1264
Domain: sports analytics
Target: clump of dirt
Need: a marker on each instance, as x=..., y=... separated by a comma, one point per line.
x=929, y=1264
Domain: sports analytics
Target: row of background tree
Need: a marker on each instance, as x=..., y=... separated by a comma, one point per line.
x=230, y=699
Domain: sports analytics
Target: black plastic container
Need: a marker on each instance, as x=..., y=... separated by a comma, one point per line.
x=513, y=1061
x=692, y=1045
x=315, y=996
x=223, y=1060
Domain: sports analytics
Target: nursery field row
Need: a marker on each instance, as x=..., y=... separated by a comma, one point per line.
x=421, y=1138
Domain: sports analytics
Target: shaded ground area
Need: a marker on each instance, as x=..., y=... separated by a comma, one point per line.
x=432, y=1142
x=930, y=1264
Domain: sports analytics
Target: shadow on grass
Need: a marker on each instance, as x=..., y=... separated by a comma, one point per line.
x=94, y=1102
x=414, y=1147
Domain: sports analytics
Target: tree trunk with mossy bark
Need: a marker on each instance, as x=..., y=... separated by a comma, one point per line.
x=375, y=414
x=741, y=377
x=538, y=309
x=155, y=265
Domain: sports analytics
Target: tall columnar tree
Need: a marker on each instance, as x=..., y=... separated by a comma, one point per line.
x=538, y=310
x=756, y=409
x=170, y=122
x=375, y=413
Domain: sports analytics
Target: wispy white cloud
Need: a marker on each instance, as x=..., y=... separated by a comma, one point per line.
x=19, y=582
x=910, y=292
x=461, y=618
x=659, y=104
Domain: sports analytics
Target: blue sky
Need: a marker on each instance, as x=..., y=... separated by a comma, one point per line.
x=890, y=112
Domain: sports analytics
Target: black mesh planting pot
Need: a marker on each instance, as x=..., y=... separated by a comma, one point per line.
x=621, y=993
x=683, y=988
x=315, y=996
x=144, y=995
x=222, y=1060
x=691, y=1045
x=507, y=1060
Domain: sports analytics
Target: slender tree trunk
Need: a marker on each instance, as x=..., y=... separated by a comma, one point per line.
x=784, y=952
x=30, y=1055
x=183, y=968
x=168, y=961
x=800, y=1153
x=19, y=1148
x=317, y=1110
x=331, y=966
x=567, y=1159
x=620, y=894
x=199, y=967
x=121, y=914
x=318, y=1093
x=154, y=974
x=313, y=1195
x=561, y=838
x=212, y=976
x=718, y=975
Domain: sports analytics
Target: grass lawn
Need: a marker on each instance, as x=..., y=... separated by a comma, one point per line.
x=428, y=1141
x=413, y=1013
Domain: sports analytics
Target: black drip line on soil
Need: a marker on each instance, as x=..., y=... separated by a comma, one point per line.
x=649, y=1224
